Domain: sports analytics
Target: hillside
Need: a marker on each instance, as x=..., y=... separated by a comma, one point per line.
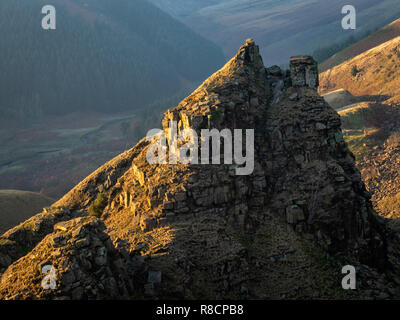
x=372, y=134
x=103, y=56
x=370, y=128
x=387, y=33
x=374, y=73
x=380, y=172
x=197, y=231
x=282, y=28
x=183, y=8
x=17, y=206
x=340, y=98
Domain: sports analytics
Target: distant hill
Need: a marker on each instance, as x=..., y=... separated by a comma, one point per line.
x=374, y=72
x=387, y=33
x=16, y=206
x=182, y=8
x=282, y=28
x=104, y=56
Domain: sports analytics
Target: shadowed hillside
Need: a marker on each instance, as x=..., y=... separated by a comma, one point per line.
x=371, y=129
x=104, y=56
x=282, y=28
x=387, y=33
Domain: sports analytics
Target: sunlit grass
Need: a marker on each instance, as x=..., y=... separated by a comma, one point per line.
x=361, y=142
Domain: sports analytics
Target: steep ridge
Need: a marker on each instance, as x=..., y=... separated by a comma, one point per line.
x=202, y=231
x=372, y=73
x=384, y=34
x=103, y=56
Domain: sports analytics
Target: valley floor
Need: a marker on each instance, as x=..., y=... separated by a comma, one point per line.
x=53, y=155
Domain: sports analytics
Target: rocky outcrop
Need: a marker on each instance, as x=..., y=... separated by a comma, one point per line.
x=202, y=231
x=21, y=239
x=82, y=260
x=304, y=72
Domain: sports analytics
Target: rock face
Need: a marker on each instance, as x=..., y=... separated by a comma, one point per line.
x=370, y=74
x=304, y=72
x=201, y=231
x=20, y=240
x=85, y=261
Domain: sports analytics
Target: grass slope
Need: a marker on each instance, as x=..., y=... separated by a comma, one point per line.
x=374, y=72
x=387, y=33
x=16, y=206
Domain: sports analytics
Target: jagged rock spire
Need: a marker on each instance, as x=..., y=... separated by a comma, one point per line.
x=229, y=98
x=212, y=234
